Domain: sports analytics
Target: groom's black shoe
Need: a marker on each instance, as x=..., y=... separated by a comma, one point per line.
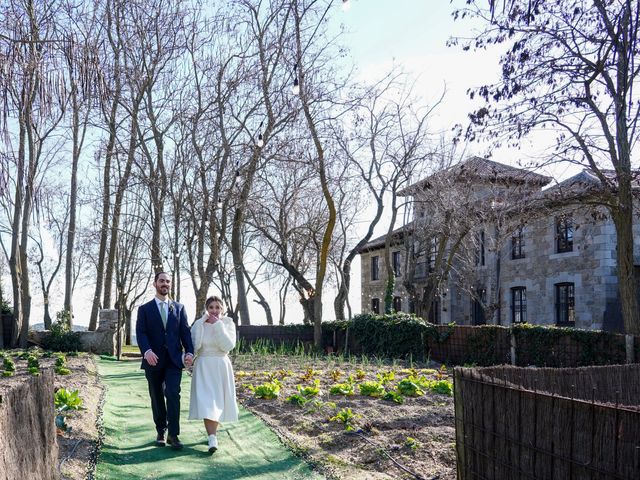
x=160, y=440
x=174, y=442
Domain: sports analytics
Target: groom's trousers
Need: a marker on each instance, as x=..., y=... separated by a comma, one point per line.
x=164, y=383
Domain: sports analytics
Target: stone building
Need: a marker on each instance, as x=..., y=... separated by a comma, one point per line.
x=525, y=254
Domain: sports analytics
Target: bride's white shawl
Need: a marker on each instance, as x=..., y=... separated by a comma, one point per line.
x=224, y=334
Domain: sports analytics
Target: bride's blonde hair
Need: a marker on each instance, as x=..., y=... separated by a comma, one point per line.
x=210, y=300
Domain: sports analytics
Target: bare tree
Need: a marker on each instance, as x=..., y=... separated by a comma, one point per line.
x=55, y=223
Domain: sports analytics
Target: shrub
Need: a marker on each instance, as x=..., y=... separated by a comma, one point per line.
x=60, y=337
x=397, y=335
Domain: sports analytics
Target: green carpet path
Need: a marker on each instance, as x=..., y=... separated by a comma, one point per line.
x=247, y=449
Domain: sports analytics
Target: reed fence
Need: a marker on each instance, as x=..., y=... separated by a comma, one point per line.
x=545, y=423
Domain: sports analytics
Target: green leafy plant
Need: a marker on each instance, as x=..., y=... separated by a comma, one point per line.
x=386, y=377
x=61, y=365
x=336, y=374
x=23, y=355
x=444, y=387
x=32, y=361
x=372, y=389
x=310, y=390
x=393, y=396
x=9, y=365
x=360, y=374
x=346, y=417
x=35, y=371
x=411, y=443
x=267, y=391
x=67, y=400
x=309, y=374
x=342, y=389
x=315, y=405
x=297, y=399
x=409, y=388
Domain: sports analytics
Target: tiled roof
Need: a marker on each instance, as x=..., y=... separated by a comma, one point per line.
x=485, y=170
x=378, y=242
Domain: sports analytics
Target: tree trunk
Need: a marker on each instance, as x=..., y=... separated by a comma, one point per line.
x=308, y=310
x=73, y=200
x=106, y=181
x=238, y=266
x=117, y=205
x=623, y=220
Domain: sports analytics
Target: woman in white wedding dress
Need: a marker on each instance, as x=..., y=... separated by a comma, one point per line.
x=213, y=391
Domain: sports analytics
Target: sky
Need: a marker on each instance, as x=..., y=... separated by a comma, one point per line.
x=381, y=33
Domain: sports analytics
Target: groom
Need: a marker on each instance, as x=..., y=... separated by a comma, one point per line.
x=165, y=343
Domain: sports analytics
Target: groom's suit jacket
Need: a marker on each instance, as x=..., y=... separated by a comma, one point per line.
x=167, y=344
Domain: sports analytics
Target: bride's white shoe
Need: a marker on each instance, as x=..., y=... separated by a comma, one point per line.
x=213, y=443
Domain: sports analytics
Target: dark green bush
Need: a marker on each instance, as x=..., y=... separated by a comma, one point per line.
x=546, y=346
x=396, y=335
x=61, y=338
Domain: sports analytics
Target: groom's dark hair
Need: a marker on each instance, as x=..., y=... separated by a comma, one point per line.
x=158, y=276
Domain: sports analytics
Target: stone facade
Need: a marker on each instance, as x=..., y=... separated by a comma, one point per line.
x=534, y=286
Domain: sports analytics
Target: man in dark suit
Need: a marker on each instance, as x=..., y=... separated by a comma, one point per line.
x=165, y=343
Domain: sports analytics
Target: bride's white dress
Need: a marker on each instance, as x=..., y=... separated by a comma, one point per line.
x=213, y=393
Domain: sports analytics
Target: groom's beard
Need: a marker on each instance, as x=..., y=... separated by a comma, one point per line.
x=163, y=290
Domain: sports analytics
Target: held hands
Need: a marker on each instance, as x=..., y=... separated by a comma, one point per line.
x=151, y=358
x=188, y=360
x=212, y=318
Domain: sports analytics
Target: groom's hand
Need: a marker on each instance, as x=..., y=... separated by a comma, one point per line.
x=188, y=360
x=151, y=358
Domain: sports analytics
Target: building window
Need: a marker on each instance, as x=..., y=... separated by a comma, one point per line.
x=434, y=311
x=564, y=234
x=395, y=257
x=518, y=305
x=433, y=253
x=480, y=249
x=517, y=243
x=477, y=310
x=565, y=305
x=397, y=304
x=375, y=305
x=375, y=268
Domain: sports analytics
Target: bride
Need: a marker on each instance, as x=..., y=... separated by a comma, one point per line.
x=213, y=392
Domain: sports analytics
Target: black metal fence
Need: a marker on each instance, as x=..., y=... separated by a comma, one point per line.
x=545, y=423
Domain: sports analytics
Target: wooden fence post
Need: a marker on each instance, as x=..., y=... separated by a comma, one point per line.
x=629, y=344
x=513, y=347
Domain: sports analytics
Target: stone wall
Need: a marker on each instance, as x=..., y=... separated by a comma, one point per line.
x=28, y=448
